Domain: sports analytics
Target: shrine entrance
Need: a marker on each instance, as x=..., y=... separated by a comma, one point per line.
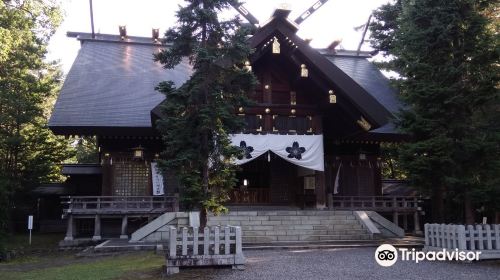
x=271, y=180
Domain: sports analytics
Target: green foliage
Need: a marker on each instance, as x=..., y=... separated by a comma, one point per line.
x=447, y=56
x=391, y=167
x=28, y=150
x=200, y=114
x=86, y=150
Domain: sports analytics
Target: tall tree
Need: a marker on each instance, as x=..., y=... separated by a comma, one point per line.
x=28, y=150
x=447, y=55
x=200, y=114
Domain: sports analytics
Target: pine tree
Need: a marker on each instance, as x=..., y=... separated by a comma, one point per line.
x=447, y=56
x=200, y=114
x=29, y=152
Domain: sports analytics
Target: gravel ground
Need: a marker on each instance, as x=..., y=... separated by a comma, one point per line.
x=349, y=263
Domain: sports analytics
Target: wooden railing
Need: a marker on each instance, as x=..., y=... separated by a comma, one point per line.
x=376, y=203
x=119, y=204
x=249, y=196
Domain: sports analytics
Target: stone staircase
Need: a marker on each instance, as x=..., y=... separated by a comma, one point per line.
x=295, y=226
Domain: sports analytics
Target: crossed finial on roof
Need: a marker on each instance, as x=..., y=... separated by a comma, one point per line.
x=253, y=20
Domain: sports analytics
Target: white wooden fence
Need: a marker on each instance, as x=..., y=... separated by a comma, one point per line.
x=484, y=238
x=214, y=246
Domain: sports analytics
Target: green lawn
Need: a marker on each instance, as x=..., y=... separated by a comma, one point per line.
x=39, y=241
x=143, y=265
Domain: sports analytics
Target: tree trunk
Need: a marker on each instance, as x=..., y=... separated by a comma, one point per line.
x=203, y=217
x=204, y=140
x=438, y=204
x=204, y=179
x=468, y=209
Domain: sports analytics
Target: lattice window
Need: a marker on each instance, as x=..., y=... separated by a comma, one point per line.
x=131, y=178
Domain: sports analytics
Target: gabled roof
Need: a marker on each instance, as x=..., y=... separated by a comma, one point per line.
x=349, y=73
x=366, y=74
x=111, y=87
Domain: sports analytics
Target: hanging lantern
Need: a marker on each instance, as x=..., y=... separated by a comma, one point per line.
x=245, y=182
x=276, y=46
x=268, y=156
x=332, y=96
x=362, y=156
x=303, y=71
x=293, y=98
x=138, y=153
x=155, y=34
x=248, y=67
x=363, y=123
x=123, y=31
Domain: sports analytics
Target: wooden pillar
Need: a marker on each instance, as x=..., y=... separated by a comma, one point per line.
x=330, y=201
x=69, y=230
x=395, y=217
x=320, y=190
x=97, y=228
x=106, y=175
x=124, y=234
x=176, y=202
x=405, y=221
x=416, y=221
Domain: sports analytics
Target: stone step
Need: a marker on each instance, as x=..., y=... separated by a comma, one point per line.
x=266, y=239
x=288, y=219
x=288, y=213
x=301, y=232
x=282, y=217
x=266, y=225
x=301, y=227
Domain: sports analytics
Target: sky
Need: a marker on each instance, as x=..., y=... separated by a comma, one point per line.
x=335, y=20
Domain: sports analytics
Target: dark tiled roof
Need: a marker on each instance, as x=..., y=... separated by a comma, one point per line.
x=369, y=78
x=54, y=189
x=111, y=84
x=81, y=169
x=392, y=187
x=367, y=75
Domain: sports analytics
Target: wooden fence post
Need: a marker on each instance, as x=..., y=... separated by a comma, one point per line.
x=461, y=237
x=184, y=240
x=480, y=240
x=472, y=239
x=195, y=241
x=173, y=242
x=488, y=237
x=206, y=240
x=216, y=240
x=427, y=235
x=497, y=236
x=227, y=244
x=238, y=241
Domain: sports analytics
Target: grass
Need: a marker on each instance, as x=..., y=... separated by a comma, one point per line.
x=41, y=244
x=130, y=266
